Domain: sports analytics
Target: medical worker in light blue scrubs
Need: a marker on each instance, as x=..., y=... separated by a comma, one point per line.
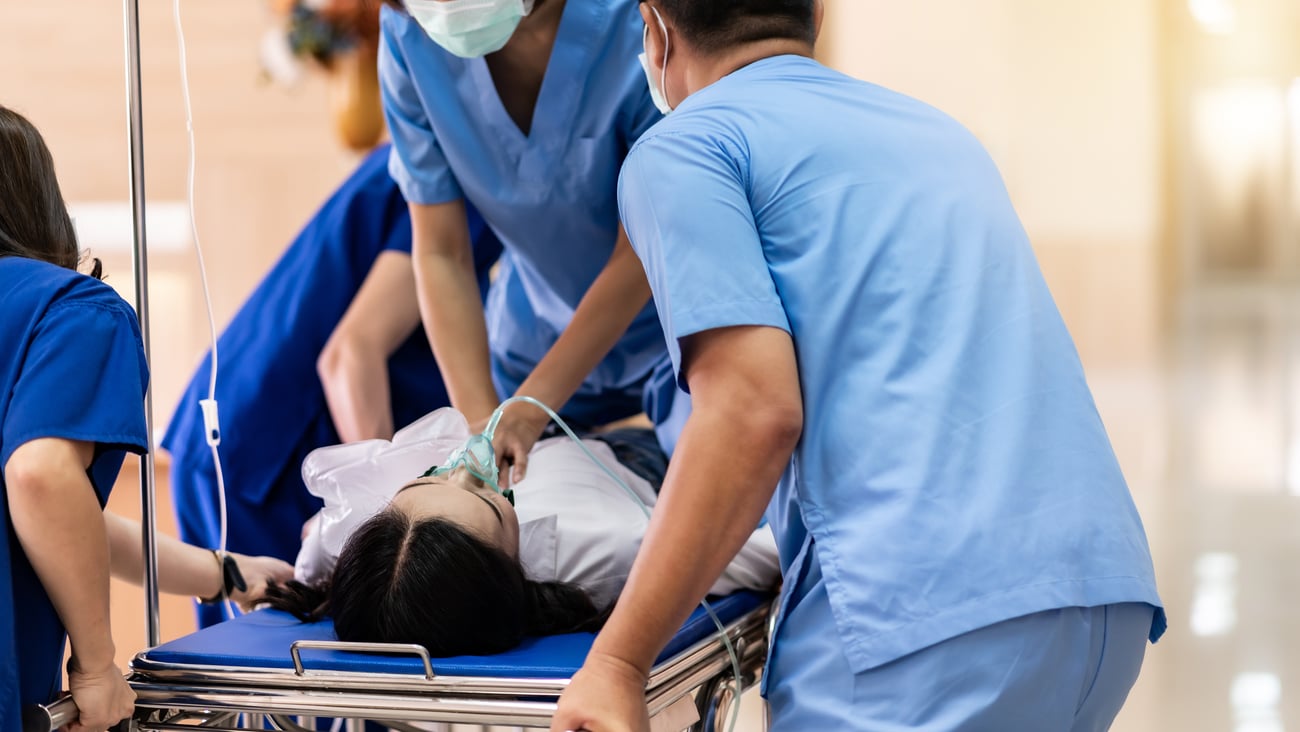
x=874, y=358
x=526, y=110
x=72, y=385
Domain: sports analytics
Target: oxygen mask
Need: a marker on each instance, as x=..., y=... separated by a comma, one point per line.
x=479, y=459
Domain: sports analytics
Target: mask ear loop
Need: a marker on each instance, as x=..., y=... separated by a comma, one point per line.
x=663, y=69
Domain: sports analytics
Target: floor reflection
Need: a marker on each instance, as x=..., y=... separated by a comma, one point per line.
x=1220, y=503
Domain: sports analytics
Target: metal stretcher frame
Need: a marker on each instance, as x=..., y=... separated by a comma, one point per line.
x=693, y=688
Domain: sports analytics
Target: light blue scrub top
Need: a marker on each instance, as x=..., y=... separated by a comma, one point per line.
x=953, y=470
x=549, y=196
x=71, y=367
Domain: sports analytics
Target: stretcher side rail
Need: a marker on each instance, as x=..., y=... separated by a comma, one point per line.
x=295, y=652
x=747, y=631
x=694, y=679
x=380, y=707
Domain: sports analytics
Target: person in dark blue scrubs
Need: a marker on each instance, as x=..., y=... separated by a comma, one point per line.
x=72, y=383
x=326, y=350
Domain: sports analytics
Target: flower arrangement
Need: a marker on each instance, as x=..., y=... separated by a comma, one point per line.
x=340, y=37
x=318, y=32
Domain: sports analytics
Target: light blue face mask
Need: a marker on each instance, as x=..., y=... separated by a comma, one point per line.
x=478, y=457
x=469, y=28
x=657, y=94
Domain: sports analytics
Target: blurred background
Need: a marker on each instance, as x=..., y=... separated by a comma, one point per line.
x=1152, y=148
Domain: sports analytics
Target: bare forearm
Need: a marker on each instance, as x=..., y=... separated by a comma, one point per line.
x=706, y=512
x=357, y=392
x=58, y=521
x=182, y=569
x=353, y=366
x=746, y=420
x=613, y=301
x=451, y=308
x=458, y=334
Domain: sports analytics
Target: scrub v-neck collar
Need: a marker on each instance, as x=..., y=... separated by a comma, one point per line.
x=583, y=24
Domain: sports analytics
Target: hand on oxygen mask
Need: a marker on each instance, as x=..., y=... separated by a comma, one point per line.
x=520, y=426
x=257, y=572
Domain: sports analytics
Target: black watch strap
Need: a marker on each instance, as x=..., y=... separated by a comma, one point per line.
x=231, y=578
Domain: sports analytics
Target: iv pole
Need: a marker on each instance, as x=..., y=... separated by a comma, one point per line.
x=140, y=260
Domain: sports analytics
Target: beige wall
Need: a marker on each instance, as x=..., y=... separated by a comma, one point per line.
x=266, y=157
x=1066, y=95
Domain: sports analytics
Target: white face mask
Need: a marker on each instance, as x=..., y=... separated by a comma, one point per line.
x=656, y=90
x=469, y=28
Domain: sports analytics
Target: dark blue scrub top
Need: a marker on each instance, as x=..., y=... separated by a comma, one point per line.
x=72, y=367
x=267, y=387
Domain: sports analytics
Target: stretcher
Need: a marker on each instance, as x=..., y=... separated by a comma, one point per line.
x=267, y=670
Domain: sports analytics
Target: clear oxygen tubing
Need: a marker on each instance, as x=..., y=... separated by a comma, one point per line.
x=490, y=431
x=211, y=420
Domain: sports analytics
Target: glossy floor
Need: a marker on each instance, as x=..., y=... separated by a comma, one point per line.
x=1210, y=442
x=1208, y=435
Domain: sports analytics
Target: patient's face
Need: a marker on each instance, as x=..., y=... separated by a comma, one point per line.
x=463, y=499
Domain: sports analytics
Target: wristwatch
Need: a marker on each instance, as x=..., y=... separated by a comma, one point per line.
x=231, y=578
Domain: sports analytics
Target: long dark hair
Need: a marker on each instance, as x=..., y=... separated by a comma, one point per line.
x=432, y=583
x=34, y=221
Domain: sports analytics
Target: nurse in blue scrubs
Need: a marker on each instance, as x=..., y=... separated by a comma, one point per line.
x=525, y=110
x=858, y=315
x=72, y=384
x=326, y=350
x=342, y=298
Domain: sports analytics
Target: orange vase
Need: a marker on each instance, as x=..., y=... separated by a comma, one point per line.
x=354, y=98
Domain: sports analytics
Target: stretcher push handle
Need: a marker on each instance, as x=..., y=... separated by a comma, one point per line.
x=37, y=718
x=400, y=649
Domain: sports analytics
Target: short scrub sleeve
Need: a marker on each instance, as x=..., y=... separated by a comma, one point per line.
x=416, y=162
x=684, y=204
x=82, y=378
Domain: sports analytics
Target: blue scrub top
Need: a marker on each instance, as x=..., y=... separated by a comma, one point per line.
x=71, y=367
x=550, y=196
x=953, y=470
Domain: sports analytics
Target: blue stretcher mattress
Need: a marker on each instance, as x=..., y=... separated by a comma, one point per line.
x=261, y=640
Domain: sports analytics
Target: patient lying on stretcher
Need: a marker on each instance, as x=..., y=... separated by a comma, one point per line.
x=447, y=563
